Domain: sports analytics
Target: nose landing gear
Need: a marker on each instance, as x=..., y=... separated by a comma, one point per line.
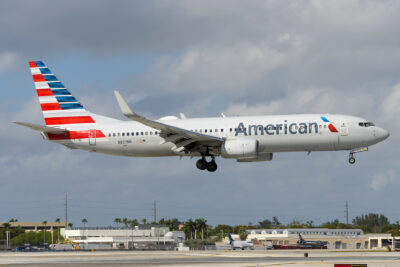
x=352, y=160
x=202, y=164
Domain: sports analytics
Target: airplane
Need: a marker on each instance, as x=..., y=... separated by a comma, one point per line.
x=245, y=139
x=239, y=244
x=303, y=244
x=313, y=244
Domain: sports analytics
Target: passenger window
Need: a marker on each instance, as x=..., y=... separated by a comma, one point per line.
x=155, y=132
x=137, y=133
x=325, y=126
x=141, y=133
x=320, y=126
x=205, y=130
x=151, y=133
x=118, y=134
x=123, y=134
x=127, y=134
x=132, y=133
x=222, y=130
x=109, y=135
x=230, y=129
x=146, y=133
x=114, y=134
x=210, y=130
x=216, y=130
x=200, y=130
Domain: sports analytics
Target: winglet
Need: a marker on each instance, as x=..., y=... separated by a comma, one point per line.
x=126, y=110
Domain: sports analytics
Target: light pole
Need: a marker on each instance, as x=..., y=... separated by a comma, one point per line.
x=8, y=239
x=44, y=232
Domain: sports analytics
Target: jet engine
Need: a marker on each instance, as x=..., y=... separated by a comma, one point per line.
x=244, y=150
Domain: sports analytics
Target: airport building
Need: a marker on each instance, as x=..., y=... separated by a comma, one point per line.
x=335, y=238
x=35, y=226
x=146, y=236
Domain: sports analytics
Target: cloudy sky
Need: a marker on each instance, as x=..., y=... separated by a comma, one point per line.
x=201, y=58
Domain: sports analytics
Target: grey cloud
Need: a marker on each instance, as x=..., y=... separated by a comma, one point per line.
x=241, y=57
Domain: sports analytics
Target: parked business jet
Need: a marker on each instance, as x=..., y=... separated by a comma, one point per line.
x=246, y=139
x=240, y=244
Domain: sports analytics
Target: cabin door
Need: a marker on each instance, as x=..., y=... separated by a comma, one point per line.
x=92, y=137
x=344, y=129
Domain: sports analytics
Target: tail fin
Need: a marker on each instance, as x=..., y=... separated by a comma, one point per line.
x=230, y=238
x=58, y=105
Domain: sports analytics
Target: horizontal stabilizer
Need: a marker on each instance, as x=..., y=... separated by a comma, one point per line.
x=41, y=128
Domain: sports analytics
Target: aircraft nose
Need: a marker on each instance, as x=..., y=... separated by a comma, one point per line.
x=382, y=134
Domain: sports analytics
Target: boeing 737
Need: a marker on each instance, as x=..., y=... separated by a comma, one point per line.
x=239, y=243
x=246, y=139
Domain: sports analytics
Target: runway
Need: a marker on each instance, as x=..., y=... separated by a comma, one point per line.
x=198, y=258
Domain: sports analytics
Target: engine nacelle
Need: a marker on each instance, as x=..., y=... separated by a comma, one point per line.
x=240, y=149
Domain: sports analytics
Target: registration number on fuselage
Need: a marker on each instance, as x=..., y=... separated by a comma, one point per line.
x=123, y=142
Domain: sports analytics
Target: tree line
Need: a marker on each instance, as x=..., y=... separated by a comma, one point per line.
x=199, y=228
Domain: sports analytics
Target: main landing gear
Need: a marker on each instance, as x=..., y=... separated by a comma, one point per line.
x=352, y=160
x=202, y=164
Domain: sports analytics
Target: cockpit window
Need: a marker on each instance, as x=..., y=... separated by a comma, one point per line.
x=366, y=124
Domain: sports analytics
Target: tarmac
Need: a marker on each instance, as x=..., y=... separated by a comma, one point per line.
x=245, y=258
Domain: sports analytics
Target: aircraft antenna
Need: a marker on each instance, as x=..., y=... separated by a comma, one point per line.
x=347, y=212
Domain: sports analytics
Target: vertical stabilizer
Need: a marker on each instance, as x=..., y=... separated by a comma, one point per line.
x=58, y=105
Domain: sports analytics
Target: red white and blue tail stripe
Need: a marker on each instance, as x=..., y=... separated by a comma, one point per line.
x=58, y=105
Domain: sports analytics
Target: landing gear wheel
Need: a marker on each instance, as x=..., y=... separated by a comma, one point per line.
x=201, y=164
x=211, y=166
x=352, y=160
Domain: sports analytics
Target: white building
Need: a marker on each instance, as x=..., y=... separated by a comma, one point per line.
x=306, y=232
x=140, y=237
x=335, y=238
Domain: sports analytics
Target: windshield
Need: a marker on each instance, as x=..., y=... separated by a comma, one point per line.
x=366, y=124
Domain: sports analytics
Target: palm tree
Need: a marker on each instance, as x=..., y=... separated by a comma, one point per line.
x=133, y=223
x=70, y=225
x=117, y=221
x=144, y=220
x=125, y=221
x=188, y=228
x=84, y=221
x=200, y=224
x=44, y=231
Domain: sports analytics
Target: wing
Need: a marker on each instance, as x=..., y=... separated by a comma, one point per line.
x=183, y=139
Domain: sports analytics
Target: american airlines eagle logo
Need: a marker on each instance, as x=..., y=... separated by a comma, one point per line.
x=330, y=126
